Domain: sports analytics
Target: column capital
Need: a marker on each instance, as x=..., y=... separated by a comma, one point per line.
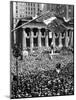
x=31, y=40
x=39, y=29
x=60, y=40
x=24, y=39
x=39, y=37
x=46, y=37
x=31, y=29
x=53, y=40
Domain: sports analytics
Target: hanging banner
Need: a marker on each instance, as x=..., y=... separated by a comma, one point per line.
x=50, y=34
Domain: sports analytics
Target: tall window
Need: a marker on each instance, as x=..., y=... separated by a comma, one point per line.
x=43, y=34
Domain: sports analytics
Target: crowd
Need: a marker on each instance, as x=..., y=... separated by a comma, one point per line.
x=40, y=76
x=46, y=83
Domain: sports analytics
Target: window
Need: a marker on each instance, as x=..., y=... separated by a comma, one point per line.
x=28, y=12
x=34, y=5
x=38, y=5
x=42, y=33
x=28, y=34
x=28, y=4
x=34, y=33
x=38, y=9
x=28, y=8
x=20, y=15
x=16, y=11
x=63, y=34
x=16, y=7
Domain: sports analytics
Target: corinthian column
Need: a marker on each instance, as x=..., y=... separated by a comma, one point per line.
x=39, y=38
x=46, y=38
x=24, y=39
x=60, y=40
x=14, y=37
x=66, y=39
x=31, y=40
x=72, y=38
x=53, y=40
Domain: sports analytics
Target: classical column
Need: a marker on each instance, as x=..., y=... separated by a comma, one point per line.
x=60, y=40
x=66, y=39
x=72, y=38
x=53, y=40
x=46, y=38
x=70, y=33
x=66, y=36
x=24, y=39
x=39, y=38
x=31, y=39
x=14, y=37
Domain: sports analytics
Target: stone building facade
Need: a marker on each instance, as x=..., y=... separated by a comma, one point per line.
x=37, y=35
x=24, y=9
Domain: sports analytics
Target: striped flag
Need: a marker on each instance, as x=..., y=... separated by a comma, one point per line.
x=49, y=20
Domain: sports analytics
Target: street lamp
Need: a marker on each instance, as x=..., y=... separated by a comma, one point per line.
x=16, y=54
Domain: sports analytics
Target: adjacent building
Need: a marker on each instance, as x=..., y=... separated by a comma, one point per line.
x=25, y=9
x=66, y=11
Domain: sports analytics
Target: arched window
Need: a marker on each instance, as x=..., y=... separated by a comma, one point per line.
x=43, y=32
x=35, y=30
x=27, y=30
x=56, y=35
x=63, y=35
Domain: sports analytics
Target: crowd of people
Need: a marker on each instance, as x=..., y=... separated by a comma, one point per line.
x=46, y=83
x=40, y=76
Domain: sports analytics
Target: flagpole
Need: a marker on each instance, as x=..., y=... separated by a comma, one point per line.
x=30, y=21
